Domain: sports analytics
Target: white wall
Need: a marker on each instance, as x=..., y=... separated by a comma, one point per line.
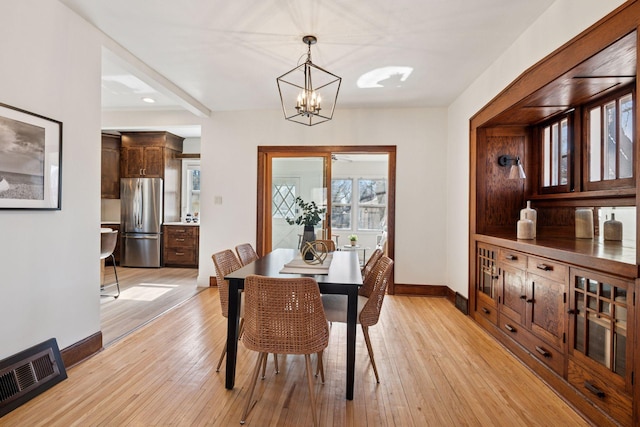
x=49, y=268
x=229, y=163
x=562, y=21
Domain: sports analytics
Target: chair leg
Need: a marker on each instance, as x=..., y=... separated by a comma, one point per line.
x=365, y=331
x=224, y=350
x=115, y=271
x=275, y=361
x=264, y=365
x=252, y=386
x=320, y=366
x=307, y=359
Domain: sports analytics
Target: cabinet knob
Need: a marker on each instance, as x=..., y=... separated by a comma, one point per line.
x=530, y=301
x=485, y=311
x=510, y=328
x=511, y=257
x=544, y=267
x=523, y=297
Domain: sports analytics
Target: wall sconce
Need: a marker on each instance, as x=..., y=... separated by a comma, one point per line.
x=516, y=171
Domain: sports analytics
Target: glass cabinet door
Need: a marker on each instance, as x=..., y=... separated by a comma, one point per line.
x=601, y=309
x=487, y=271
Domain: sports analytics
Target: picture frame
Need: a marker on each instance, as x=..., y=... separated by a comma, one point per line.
x=30, y=160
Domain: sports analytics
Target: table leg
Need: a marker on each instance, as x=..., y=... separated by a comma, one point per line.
x=352, y=314
x=232, y=332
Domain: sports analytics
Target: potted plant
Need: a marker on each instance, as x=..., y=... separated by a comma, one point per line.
x=309, y=216
x=353, y=238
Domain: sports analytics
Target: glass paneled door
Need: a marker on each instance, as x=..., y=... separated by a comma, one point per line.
x=293, y=177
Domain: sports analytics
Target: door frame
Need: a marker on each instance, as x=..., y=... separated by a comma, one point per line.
x=266, y=153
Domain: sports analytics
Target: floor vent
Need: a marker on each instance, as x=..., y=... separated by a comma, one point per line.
x=29, y=373
x=462, y=303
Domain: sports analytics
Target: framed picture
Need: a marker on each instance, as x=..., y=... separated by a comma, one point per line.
x=30, y=160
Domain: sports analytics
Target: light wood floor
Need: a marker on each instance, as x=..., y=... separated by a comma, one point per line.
x=146, y=293
x=437, y=368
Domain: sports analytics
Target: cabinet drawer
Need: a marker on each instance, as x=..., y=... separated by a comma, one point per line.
x=488, y=311
x=180, y=241
x=181, y=256
x=516, y=259
x=604, y=394
x=180, y=232
x=547, y=268
x=549, y=355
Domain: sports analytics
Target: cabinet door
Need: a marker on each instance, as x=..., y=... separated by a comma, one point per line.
x=513, y=292
x=110, y=174
x=546, y=301
x=132, y=162
x=153, y=162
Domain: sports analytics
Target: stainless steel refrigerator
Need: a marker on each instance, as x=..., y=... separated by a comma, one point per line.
x=141, y=222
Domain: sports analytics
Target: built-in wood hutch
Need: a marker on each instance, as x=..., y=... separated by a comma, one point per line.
x=565, y=306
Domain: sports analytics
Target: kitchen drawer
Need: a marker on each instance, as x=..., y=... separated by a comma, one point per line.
x=513, y=258
x=549, y=269
x=488, y=311
x=605, y=394
x=549, y=355
x=180, y=232
x=181, y=256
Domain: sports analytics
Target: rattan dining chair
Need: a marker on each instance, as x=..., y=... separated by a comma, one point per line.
x=246, y=253
x=283, y=316
x=226, y=262
x=369, y=307
x=368, y=266
x=108, y=241
x=330, y=244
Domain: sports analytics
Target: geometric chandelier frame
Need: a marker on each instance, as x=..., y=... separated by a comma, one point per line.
x=308, y=93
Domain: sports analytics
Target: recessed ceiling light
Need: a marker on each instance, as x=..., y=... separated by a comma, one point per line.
x=149, y=100
x=384, y=77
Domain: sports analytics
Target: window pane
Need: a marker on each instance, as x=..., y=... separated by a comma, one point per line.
x=554, y=153
x=370, y=218
x=610, y=141
x=626, y=137
x=595, y=131
x=564, y=151
x=546, y=149
x=341, y=190
x=341, y=217
x=372, y=191
x=284, y=201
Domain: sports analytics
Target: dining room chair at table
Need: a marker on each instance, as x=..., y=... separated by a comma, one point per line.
x=246, y=253
x=369, y=306
x=226, y=262
x=368, y=266
x=329, y=244
x=283, y=316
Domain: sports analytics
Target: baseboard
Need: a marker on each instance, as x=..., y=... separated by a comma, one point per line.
x=81, y=350
x=421, y=290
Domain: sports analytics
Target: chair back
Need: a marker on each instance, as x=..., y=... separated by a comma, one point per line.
x=108, y=242
x=330, y=244
x=284, y=315
x=377, y=281
x=246, y=253
x=371, y=262
x=225, y=262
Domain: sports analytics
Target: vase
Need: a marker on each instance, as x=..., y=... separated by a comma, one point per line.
x=308, y=236
x=584, y=223
x=530, y=213
x=613, y=229
x=526, y=228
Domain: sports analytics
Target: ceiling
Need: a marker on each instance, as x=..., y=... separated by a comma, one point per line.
x=227, y=55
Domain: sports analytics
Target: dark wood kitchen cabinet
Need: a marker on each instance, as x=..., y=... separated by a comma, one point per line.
x=110, y=167
x=181, y=245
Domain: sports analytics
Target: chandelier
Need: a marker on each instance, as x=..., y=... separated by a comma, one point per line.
x=308, y=93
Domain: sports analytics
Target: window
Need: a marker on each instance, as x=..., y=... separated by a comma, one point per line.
x=370, y=209
x=191, y=187
x=610, y=142
x=284, y=200
x=555, y=155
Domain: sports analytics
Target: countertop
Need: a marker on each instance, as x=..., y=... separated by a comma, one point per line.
x=182, y=223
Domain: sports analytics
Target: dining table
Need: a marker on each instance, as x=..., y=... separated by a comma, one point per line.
x=343, y=277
